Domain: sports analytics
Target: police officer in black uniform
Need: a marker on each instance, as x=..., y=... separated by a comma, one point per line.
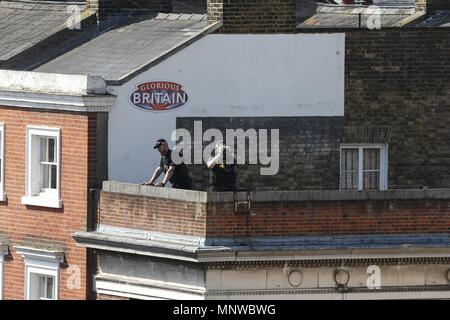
x=176, y=174
x=222, y=174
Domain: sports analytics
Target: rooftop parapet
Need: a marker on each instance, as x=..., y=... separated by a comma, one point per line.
x=161, y=221
x=273, y=213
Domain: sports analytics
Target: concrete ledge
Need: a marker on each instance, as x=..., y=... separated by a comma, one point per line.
x=155, y=192
x=51, y=83
x=347, y=247
x=81, y=103
x=175, y=239
x=273, y=196
x=131, y=245
x=338, y=195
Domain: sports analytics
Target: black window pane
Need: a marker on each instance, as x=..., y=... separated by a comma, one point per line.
x=51, y=150
x=349, y=168
x=53, y=177
x=371, y=159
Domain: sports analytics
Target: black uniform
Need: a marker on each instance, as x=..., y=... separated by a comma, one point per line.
x=180, y=178
x=223, y=177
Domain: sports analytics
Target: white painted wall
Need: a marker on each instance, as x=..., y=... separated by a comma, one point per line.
x=229, y=75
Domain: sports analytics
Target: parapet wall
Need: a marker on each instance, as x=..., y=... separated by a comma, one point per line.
x=271, y=214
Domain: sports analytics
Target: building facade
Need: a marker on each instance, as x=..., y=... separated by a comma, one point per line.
x=49, y=163
x=358, y=204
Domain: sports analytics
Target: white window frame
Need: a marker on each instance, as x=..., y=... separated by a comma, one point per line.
x=51, y=198
x=40, y=271
x=2, y=167
x=383, y=163
x=41, y=262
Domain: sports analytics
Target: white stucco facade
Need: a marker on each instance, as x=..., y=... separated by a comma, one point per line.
x=228, y=76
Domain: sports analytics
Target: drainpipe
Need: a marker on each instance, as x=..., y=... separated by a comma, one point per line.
x=92, y=216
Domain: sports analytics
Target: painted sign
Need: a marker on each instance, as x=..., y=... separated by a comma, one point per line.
x=159, y=96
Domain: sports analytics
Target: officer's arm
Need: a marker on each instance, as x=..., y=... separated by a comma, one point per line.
x=213, y=161
x=168, y=175
x=155, y=175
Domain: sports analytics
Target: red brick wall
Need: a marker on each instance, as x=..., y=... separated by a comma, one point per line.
x=19, y=222
x=276, y=219
x=162, y=215
x=332, y=218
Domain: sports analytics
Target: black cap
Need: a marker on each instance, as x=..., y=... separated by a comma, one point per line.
x=159, y=142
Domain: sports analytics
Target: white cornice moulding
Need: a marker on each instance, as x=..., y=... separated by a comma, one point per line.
x=81, y=103
x=40, y=254
x=145, y=290
x=52, y=83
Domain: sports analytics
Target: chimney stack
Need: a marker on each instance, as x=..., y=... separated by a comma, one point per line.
x=432, y=5
x=106, y=8
x=254, y=16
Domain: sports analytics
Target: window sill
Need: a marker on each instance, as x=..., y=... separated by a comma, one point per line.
x=40, y=201
x=3, y=197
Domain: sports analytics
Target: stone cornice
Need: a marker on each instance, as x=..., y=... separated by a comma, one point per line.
x=393, y=289
x=60, y=102
x=332, y=262
x=40, y=254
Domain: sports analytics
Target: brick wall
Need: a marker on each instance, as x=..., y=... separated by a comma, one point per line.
x=146, y=213
x=400, y=79
x=331, y=218
x=309, y=152
x=281, y=218
x=21, y=224
x=254, y=16
x=431, y=5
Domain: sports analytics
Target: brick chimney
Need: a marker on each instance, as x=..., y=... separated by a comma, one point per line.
x=254, y=16
x=105, y=8
x=432, y=5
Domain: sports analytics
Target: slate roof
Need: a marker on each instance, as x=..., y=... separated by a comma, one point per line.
x=120, y=53
x=25, y=23
x=312, y=14
x=436, y=19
